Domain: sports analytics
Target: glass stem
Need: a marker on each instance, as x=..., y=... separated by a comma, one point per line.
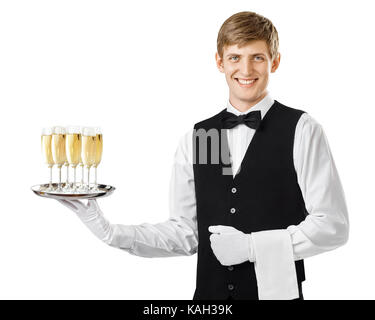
x=67, y=176
x=50, y=177
x=60, y=178
x=95, y=175
x=83, y=173
x=74, y=184
x=88, y=178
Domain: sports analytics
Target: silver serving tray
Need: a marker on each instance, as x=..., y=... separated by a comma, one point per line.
x=41, y=190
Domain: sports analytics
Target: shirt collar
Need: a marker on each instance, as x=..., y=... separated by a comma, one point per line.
x=263, y=105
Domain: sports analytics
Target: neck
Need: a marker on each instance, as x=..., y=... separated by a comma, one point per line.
x=243, y=105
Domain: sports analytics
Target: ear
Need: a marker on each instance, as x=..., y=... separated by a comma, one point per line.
x=275, y=63
x=219, y=62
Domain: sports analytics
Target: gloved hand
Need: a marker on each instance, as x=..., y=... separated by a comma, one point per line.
x=230, y=245
x=115, y=235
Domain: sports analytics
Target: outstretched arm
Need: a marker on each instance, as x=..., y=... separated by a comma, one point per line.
x=176, y=236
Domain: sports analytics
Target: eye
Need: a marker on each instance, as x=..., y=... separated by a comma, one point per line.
x=261, y=58
x=231, y=58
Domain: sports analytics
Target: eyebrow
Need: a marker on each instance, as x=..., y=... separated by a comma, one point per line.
x=237, y=54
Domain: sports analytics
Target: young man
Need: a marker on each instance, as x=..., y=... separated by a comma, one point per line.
x=275, y=200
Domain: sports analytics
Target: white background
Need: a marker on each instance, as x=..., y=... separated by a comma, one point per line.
x=145, y=72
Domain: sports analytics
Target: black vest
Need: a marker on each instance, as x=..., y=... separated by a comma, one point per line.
x=264, y=195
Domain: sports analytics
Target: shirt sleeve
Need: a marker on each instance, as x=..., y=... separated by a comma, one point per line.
x=177, y=236
x=326, y=226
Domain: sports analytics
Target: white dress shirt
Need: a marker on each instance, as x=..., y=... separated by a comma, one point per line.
x=325, y=228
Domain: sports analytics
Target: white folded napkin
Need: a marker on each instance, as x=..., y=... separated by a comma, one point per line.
x=274, y=265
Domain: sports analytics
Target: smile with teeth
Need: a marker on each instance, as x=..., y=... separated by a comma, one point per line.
x=244, y=81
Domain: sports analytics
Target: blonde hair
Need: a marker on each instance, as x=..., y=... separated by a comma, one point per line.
x=247, y=26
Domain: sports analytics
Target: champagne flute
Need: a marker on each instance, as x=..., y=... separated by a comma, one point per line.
x=73, y=149
x=98, y=154
x=58, y=150
x=88, y=150
x=47, y=153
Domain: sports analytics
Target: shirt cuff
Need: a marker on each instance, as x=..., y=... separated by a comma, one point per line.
x=274, y=265
x=250, y=248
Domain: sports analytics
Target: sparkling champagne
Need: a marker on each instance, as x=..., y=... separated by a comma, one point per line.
x=58, y=149
x=73, y=148
x=99, y=149
x=88, y=150
x=47, y=150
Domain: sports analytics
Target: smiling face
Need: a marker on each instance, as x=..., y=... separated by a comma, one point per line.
x=247, y=72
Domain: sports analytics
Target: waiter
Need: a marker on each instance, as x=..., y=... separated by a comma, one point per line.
x=256, y=184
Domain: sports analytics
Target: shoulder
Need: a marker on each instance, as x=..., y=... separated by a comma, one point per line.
x=184, y=152
x=307, y=125
x=289, y=112
x=209, y=122
x=305, y=122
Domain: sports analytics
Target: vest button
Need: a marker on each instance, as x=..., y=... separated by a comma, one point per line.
x=232, y=210
x=230, y=268
x=234, y=190
x=230, y=287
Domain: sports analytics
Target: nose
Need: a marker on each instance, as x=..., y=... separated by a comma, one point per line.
x=247, y=67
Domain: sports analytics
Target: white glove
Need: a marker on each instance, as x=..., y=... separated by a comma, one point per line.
x=115, y=235
x=230, y=245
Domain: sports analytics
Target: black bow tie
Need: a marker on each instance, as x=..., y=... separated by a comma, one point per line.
x=251, y=119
